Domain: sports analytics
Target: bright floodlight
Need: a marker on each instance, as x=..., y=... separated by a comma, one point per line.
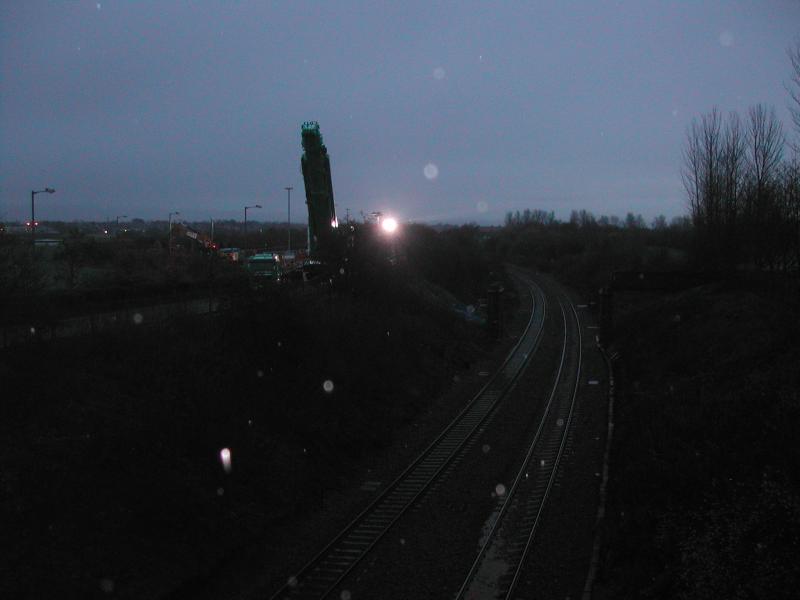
x=389, y=225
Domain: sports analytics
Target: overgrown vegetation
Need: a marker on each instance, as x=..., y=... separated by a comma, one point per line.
x=111, y=442
x=586, y=250
x=705, y=494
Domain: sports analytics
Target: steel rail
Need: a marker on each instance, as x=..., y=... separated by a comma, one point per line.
x=531, y=535
x=534, y=504
x=325, y=571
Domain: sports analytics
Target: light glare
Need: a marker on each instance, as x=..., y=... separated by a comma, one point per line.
x=389, y=225
x=225, y=457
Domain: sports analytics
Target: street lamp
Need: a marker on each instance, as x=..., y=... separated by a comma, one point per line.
x=289, y=214
x=245, y=219
x=170, y=229
x=33, y=212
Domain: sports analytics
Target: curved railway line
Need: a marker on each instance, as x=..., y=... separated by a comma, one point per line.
x=320, y=577
x=500, y=563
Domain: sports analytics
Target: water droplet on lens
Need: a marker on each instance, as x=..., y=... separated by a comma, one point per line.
x=327, y=385
x=500, y=489
x=431, y=171
x=138, y=318
x=486, y=448
x=225, y=457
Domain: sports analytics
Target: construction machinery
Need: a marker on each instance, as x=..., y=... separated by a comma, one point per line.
x=180, y=229
x=316, y=167
x=264, y=267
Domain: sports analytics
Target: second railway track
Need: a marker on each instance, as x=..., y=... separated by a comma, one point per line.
x=501, y=558
x=320, y=577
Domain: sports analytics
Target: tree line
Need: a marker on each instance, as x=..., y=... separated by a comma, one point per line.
x=743, y=190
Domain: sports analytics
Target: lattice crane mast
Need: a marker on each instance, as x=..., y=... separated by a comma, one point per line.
x=316, y=167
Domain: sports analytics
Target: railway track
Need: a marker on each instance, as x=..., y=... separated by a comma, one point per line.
x=321, y=576
x=499, y=565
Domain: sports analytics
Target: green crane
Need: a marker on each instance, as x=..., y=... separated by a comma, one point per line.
x=319, y=189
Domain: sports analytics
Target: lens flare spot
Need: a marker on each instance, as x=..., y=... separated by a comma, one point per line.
x=500, y=489
x=486, y=448
x=225, y=457
x=726, y=39
x=33, y=330
x=327, y=385
x=138, y=318
x=560, y=422
x=431, y=171
x=541, y=463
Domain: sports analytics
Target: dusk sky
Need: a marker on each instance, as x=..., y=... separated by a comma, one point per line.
x=451, y=112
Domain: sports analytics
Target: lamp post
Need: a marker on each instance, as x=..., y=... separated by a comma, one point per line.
x=170, y=229
x=33, y=211
x=245, y=219
x=289, y=214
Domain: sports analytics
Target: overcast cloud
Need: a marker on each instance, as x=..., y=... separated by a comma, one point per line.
x=142, y=108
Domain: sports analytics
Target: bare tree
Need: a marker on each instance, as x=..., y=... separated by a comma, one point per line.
x=765, y=141
x=659, y=223
x=733, y=161
x=702, y=169
x=794, y=93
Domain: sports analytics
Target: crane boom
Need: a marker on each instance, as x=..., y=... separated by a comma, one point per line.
x=316, y=167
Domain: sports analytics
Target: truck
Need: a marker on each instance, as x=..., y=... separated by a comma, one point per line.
x=263, y=268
